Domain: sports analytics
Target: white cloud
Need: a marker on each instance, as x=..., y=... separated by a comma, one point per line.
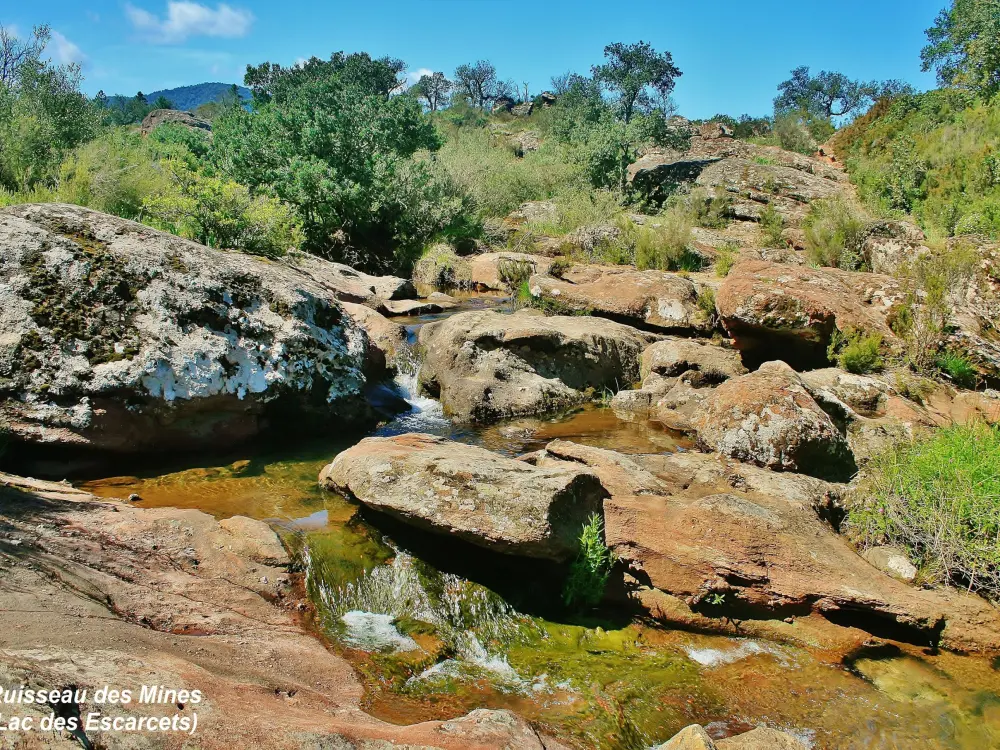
x=63, y=51
x=186, y=19
x=412, y=76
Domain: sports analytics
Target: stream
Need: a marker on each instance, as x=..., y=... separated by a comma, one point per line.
x=431, y=641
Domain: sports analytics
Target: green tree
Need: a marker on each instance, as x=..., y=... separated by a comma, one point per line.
x=331, y=139
x=830, y=94
x=433, y=89
x=632, y=71
x=17, y=53
x=478, y=81
x=162, y=102
x=964, y=46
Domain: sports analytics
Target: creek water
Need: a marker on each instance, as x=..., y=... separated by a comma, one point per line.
x=432, y=640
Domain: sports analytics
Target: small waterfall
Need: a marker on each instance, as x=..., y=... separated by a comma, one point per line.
x=426, y=414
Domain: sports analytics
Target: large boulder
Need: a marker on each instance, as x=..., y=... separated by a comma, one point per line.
x=121, y=338
x=788, y=312
x=656, y=300
x=349, y=285
x=768, y=418
x=490, y=272
x=162, y=116
x=707, y=540
x=695, y=737
x=471, y=493
x=673, y=357
x=486, y=366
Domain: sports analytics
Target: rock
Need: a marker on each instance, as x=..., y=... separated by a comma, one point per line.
x=693, y=737
x=471, y=493
x=762, y=738
x=892, y=561
x=540, y=212
x=658, y=174
x=863, y=394
x=174, y=597
x=441, y=267
x=121, y=338
x=761, y=540
x=523, y=110
x=386, y=340
x=162, y=116
x=891, y=245
x=349, y=285
x=587, y=239
x=768, y=418
x=777, y=311
x=526, y=141
x=485, y=269
x=547, y=98
x=656, y=300
x=412, y=307
x=503, y=104
x=673, y=357
x=488, y=366
x=712, y=130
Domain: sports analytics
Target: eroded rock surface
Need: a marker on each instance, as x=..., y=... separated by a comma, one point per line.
x=487, y=366
x=470, y=493
x=119, y=337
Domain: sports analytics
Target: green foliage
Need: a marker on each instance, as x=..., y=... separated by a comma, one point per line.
x=856, y=351
x=835, y=230
x=666, y=247
x=937, y=498
x=514, y=272
x=589, y=572
x=964, y=46
x=632, y=72
x=829, y=94
x=706, y=302
x=772, y=225
x=933, y=155
x=958, y=369
x=301, y=143
x=726, y=259
x=433, y=89
x=194, y=140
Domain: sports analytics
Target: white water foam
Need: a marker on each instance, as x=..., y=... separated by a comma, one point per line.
x=373, y=632
x=715, y=657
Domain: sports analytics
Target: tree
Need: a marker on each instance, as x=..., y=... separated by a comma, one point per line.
x=433, y=89
x=162, y=103
x=478, y=81
x=16, y=54
x=964, y=46
x=829, y=94
x=332, y=140
x=632, y=71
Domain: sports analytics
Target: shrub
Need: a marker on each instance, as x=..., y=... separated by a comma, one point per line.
x=958, y=369
x=706, y=302
x=666, y=247
x=726, y=259
x=937, y=498
x=705, y=208
x=856, y=351
x=440, y=267
x=834, y=231
x=514, y=272
x=589, y=572
x=772, y=225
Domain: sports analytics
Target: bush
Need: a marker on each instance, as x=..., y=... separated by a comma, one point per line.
x=441, y=267
x=937, y=498
x=856, y=351
x=726, y=259
x=589, y=572
x=835, y=231
x=772, y=225
x=706, y=303
x=666, y=247
x=958, y=369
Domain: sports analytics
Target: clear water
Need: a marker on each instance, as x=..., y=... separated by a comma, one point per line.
x=430, y=643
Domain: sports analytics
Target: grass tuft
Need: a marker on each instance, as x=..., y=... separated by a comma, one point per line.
x=589, y=572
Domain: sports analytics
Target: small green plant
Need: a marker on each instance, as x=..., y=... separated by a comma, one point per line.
x=835, y=230
x=772, y=225
x=716, y=599
x=914, y=387
x=958, y=369
x=559, y=267
x=856, y=351
x=706, y=302
x=514, y=272
x=764, y=161
x=589, y=572
x=937, y=498
x=726, y=259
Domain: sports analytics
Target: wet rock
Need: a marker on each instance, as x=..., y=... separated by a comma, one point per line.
x=411, y=307
x=121, y=338
x=762, y=738
x=656, y=300
x=892, y=561
x=386, y=340
x=768, y=418
x=487, y=366
x=693, y=737
x=778, y=311
x=470, y=493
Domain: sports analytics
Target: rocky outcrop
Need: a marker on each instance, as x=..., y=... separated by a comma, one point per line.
x=673, y=357
x=655, y=300
x=779, y=311
x=386, y=340
x=487, y=366
x=469, y=493
x=489, y=272
x=891, y=245
x=768, y=418
x=349, y=285
x=121, y=338
x=96, y=593
x=705, y=538
x=162, y=116
x=695, y=737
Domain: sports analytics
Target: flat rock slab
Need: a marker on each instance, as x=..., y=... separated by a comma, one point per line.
x=415, y=307
x=476, y=495
x=657, y=300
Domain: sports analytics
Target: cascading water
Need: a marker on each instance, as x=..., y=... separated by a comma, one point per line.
x=426, y=414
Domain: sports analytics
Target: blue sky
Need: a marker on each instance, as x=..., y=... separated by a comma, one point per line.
x=733, y=54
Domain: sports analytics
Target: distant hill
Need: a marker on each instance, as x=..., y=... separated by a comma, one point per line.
x=190, y=97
